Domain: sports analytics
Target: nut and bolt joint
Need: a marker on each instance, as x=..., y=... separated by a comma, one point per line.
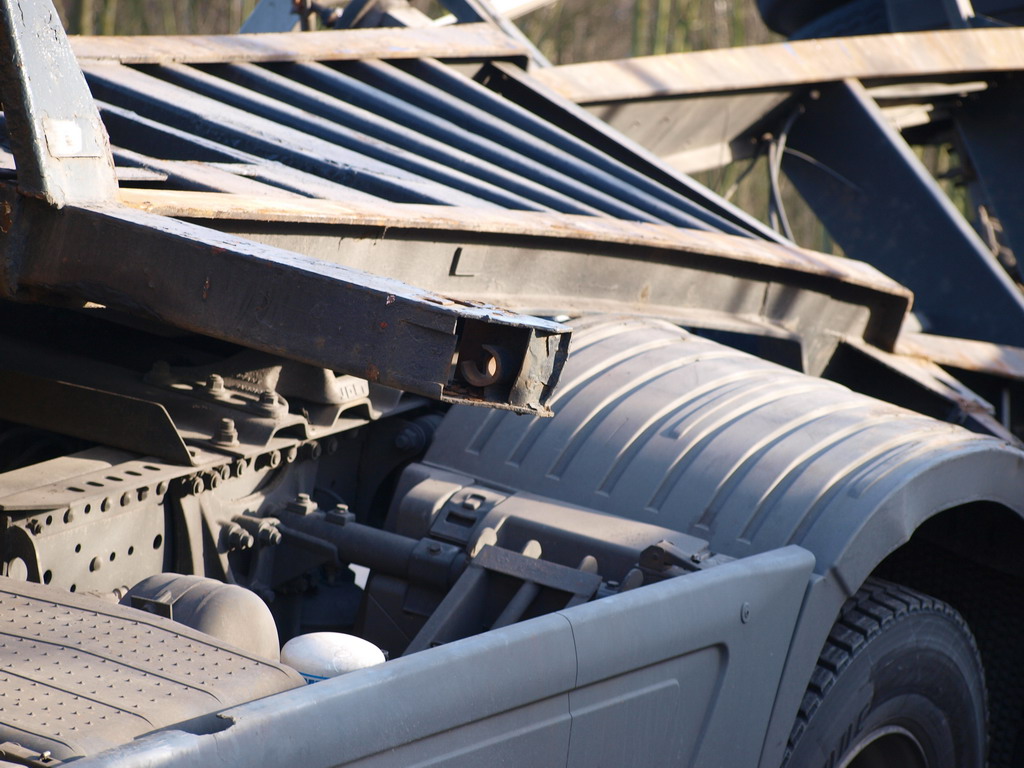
x=226, y=433
x=215, y=385
x=237, y=537
x=191, y=485
x=262, y=530
x=340, y=515
x=269, y=460
x=268, y=534
x=269, y=403
x=302, y=504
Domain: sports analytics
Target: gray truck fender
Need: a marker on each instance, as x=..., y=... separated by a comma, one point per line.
x=655, y=424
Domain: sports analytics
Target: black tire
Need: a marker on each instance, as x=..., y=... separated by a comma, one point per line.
x=899, y=684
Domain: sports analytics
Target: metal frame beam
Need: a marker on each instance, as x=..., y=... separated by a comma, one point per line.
x=281, y=302
x=465, y=41
x=84, y=246
x=883, y=207
x=990, y=127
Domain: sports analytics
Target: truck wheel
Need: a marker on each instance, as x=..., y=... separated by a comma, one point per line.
x=899, y=684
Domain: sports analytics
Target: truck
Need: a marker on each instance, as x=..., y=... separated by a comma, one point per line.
x=390, y=342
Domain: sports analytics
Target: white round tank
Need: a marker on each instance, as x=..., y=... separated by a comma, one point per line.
x=320, y=655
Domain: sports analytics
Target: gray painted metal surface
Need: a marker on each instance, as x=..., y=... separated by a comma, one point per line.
x=927, y=245
x=656, y=425
x=499, y=188
x=142, y=673
x=559, y=690
x=57, y=138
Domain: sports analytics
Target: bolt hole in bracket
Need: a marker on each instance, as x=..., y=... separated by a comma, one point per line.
x=512, y=367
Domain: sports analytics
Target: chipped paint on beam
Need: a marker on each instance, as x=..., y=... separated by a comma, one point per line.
x=206, y=205
x=461, y=41
x=793, y=64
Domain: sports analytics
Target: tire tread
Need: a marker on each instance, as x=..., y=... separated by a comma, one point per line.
x=874, y=607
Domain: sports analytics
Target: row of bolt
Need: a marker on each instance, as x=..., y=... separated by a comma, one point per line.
x=35, y=526
x=243, y=531
x=267, y=404
x=209, y=479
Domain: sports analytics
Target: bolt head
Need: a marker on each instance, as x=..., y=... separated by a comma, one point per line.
x=226, y=433
x=269, y=535
x=159, y=374
x=301, y=505
x=269, y=403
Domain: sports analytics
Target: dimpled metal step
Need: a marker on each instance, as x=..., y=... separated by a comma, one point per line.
x=79, y=675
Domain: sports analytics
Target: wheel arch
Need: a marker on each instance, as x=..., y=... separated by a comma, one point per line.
x=969, y=557
x=658, y=425
x=985, y=478
x=945, y=526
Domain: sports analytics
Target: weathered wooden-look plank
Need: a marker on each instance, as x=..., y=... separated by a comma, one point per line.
x=457, y=42
x=946, y=53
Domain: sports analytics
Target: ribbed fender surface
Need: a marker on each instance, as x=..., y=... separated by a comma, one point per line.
x=655, y=424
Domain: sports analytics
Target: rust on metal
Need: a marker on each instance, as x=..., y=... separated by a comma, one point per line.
x=207, y=205
x=981, y=356
x=463, y=41
x=790, y=65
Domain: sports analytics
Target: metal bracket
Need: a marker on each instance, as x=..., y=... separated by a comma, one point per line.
x=60, y=146
x=283, y=303
x=883, y=207
x=461, y=613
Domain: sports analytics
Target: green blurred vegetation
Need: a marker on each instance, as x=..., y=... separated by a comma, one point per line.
x=152, y=17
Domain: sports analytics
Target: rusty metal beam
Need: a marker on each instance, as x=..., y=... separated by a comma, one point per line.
x=535, y=262
x=83, y=246
x=285, y=303
x=1000, y=360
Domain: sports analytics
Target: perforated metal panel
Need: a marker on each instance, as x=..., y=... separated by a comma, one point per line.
x=79, y=675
